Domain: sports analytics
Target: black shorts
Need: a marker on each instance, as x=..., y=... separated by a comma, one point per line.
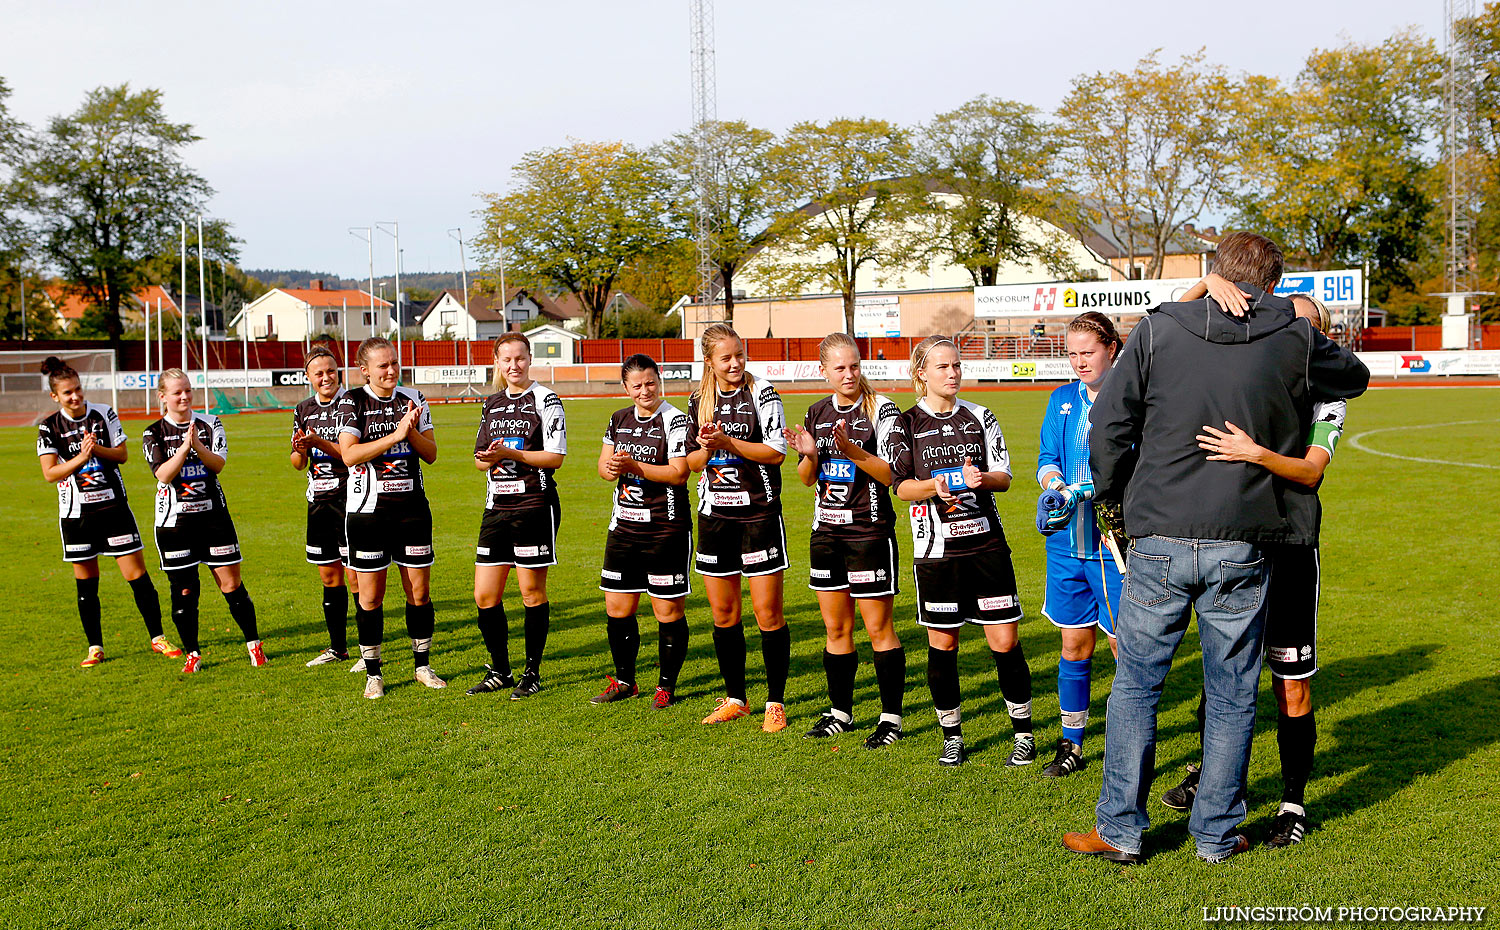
x=975, y=588
x=523, y=538
x=1292, y=612
x=400, y=533
x=741, y=547
x=326, y=543
x=198, y=539
x=107, y=531
x=658, y=566
x=863, y=567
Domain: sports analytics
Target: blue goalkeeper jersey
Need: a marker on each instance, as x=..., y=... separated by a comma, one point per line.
x=1065, y=448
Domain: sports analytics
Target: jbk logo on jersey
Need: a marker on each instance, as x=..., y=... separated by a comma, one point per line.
x=841, y=470
x=952, y=477
x=193, y=470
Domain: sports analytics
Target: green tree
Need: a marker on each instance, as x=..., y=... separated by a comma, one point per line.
x=995, y=160
x=1335, y=169
x=1148, y=150
x=844, y=203
x=660, y=277
x=107, y=185
x=577, y=216
x=742, y=193
x=14, y=276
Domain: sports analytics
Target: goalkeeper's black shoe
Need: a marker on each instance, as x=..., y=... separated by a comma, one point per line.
x=1068, y=760
x=1180, y=798
x=492, y=681
x=1288, y=828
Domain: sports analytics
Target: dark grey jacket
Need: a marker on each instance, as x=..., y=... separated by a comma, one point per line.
x=1187, y=365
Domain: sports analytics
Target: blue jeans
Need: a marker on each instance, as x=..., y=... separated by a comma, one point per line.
x=1168, y=578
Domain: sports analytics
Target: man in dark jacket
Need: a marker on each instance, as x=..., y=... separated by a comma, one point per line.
x=1198, y=528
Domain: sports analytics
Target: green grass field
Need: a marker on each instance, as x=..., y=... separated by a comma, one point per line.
x=276, y=797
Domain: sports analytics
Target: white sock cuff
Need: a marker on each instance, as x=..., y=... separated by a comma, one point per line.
x=891, y=718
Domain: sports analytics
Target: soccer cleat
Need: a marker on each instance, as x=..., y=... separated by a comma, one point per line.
x=358, y=666
x=257, y=653
x=1069, y=759
x=160, y=644
x=662, y=700
x=530, y=683
x=326, y=657
x=1180, y=798
x=428, y=677
x=953, y=751
x=615, y=690
x=828, y=725
x=1241, y=845
x=1024, y=752
x=1287, y=829
x=191, y=665
x=95, y=656
x=1091, y=844
x=775, y=720
x=885, y=734
x=726, y=710
x=374, y=687
x=492, y=681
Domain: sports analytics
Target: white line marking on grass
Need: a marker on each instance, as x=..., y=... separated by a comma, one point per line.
x=1355, y=442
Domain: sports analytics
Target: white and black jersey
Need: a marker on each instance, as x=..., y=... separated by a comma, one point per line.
x=924, y=445
x=326, y=474
x=733, y=488
x=97, y=484
x=531, y=421
x=394, y=477
x=196, y=489
x=644, y=507
x=851, y=504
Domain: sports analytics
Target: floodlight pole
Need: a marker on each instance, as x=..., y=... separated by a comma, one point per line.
x=367, y=233
x=202, y=313
x=470, y=328
x=395, y=233
x=182, y=296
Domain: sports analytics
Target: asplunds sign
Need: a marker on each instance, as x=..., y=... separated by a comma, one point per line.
x=1063, y=298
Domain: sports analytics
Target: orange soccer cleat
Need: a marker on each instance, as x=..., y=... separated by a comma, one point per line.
x=725, y=710
x=160, y=644
x=95, y=656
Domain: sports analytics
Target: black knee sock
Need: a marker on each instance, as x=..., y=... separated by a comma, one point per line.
x=890, y=675
x=1015, y=687
x=840, y=670
x=242, y=609
x=370, y=624
x=421, y=620
x=146, y=602
x=1296, y=737
x=942, y=679
x=729, y=647
x=494, y=628
x=184, y=584
x=88, y=610
x=624, y=646
x=776, y=652
x=538, y=622
x=336, y=617
x=671, y=651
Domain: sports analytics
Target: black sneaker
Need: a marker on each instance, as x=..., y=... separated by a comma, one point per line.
x=1069, y=759
x=1181, y=797
x=614, y=690
x=828, y=725
x=530, y=683
x=953, y=751
x=1288, y=828
x=885, y=734
x=1024, y=752
x=492, y=681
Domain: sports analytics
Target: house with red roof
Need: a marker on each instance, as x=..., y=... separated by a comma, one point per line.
x=291, y=314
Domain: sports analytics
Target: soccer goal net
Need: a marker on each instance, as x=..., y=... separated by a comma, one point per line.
x=24, y=396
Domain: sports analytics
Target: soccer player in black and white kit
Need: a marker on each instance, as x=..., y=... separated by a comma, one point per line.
x=385, y=434
x=650, y=544
x=315, y=447
x=737, y=439
x=948, y=458
x=187, y=450
x=522, y=439
x=853, y=550
x=81, y=448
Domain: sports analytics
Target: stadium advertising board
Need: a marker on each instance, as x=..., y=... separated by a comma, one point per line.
x=877, y=316
x=1335, y=288
x=452, y=374
x=1061, y=298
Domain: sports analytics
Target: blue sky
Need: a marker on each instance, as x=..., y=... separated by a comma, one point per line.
x=317, y=116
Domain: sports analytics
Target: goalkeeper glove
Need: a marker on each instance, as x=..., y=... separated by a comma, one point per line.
x=1053, y=511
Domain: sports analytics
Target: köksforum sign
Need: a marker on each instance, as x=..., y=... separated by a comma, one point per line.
x=1336, y=288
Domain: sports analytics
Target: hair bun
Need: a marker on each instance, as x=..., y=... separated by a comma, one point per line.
x=52, y=364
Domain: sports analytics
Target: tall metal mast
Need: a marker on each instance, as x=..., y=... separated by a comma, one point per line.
x=705, y=167
x=1458, y=144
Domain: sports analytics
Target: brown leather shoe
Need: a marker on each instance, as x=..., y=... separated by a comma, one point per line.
x=1089, y=844
x=1241, y=845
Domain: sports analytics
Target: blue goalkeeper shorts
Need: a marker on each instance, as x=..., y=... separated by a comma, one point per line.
x=1081, y=592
